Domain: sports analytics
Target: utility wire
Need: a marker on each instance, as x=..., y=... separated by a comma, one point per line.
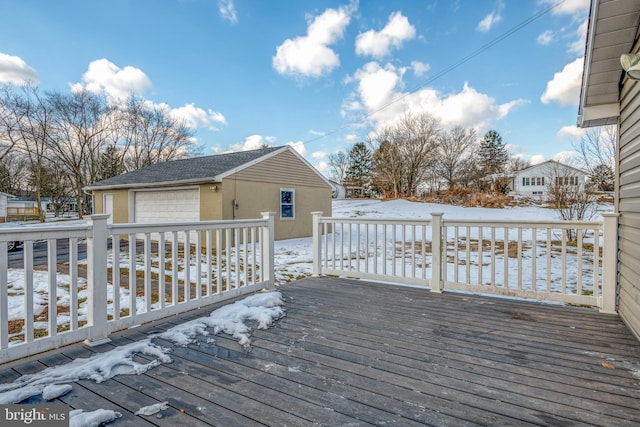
x=455, y=65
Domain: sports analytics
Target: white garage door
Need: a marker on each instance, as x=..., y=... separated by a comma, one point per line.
x=167, y=206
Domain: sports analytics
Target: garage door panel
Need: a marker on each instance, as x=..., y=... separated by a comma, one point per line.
x=167, y=206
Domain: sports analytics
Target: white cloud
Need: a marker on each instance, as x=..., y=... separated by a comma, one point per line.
x=319, y=154
x=545, y=38
x=197, y=117
x=15, y=71
x=105, y=77
x=228, y=11
x=310, y=55
x=568, y=156
x=352, y=137
x=378, y=44
x=537, y=158
x=491, y=19
x=568, y=7
x=577, y=47
x=420, y=68
x=317, y=132
x=564, y=88
x=379, y=91
x=299, y=147
x=252, y=142
x=322, y=166
x=571, y=132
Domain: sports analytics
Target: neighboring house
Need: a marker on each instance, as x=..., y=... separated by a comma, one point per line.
x=67, y=204
x=3, y=206
x=610, y=96
x=338, y=190
x=227, y=186
x=535, y=180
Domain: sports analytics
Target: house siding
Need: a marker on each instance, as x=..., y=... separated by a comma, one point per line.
x=628, y=204
x=281, y=168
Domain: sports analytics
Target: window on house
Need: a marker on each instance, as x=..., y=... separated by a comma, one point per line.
x=287, y=203
x=525, y=181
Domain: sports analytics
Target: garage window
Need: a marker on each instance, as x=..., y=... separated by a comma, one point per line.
x=287, y=203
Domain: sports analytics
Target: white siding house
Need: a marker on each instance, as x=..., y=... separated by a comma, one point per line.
x=3, y=206
x=535, y=180
x=610, y=97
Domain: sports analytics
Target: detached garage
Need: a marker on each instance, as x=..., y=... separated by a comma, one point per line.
x=222, y=187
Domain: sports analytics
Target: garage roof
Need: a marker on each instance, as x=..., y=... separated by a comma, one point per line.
x=613, y=25
x=192, y=170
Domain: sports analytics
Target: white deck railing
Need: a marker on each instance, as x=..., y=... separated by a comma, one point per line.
x=566, y=261
x=133, y=273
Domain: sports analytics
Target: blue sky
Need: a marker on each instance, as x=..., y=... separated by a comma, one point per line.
x=320, y=75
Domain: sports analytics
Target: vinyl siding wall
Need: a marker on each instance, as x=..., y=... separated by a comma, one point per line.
x=628, y=204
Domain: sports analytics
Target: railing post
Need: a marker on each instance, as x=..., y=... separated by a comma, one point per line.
x=97, y=280
x=436, y=252
x=268, y=247
x=609, y=263
x=317, y=244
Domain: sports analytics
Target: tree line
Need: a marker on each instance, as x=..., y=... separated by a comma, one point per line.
x=56, y=144
x=418, y=154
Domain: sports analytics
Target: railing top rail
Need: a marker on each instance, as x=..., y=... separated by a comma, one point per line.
x=332, y=220
x=44, y=232
x=131, y=228
x=516, y=223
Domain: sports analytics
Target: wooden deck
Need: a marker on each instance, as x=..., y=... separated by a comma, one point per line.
x=354, y=353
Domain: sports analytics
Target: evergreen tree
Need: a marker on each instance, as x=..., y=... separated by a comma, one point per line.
x=359, y=171
x=603, y=178
x=493, y=153
x=110, y=164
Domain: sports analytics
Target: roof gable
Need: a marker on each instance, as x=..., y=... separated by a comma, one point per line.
x=192, y=170
x=550, y=164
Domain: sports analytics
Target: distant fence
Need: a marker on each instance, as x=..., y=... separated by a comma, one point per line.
x=22, y=212
x=133, y=273
x=566, y=261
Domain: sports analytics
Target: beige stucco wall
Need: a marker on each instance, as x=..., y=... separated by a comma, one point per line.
x=120, y=204
x=256, y=197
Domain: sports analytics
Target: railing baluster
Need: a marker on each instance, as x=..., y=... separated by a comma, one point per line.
x=579, y=261
x=480, y=252
x=548, y=284
x=228, y=258
x=162, y=274
x=198, y=257
x=132, y=274
x=4, y=296
x=468, y=255
x=563, y=272
x=519, y=257
x=505, y=279
x=456, y=239
x=28, y=291
x=115, y=277
x=52, y=266
x=147, y=271
x=534, y=256
x=219, y=261
x=175, y=299
x=493, y=257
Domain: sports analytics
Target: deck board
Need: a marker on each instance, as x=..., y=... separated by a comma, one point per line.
x=351, y=352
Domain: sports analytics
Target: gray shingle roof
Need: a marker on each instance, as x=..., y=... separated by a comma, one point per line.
x=192, y=169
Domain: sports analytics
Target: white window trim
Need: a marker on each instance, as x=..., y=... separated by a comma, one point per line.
x=293, y=203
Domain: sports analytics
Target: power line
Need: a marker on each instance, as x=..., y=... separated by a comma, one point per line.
x=455, y=65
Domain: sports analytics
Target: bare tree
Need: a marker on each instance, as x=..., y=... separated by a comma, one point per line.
x=81, y=134
x=27, y=124
x=569, y=196
x=149, y=134
x=338, y=166
x=454, y=154
x=597, y=147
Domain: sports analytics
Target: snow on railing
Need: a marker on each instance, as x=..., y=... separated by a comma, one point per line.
x=567, y=261
x=53, y=294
